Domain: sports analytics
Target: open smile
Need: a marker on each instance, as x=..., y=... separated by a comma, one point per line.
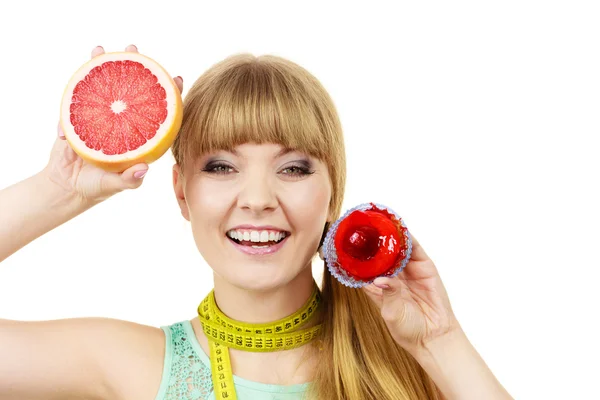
x=257, y=243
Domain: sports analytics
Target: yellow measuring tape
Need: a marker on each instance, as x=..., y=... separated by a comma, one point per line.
x=223, y=332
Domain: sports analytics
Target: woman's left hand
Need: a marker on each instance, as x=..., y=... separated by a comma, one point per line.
x=414, y=304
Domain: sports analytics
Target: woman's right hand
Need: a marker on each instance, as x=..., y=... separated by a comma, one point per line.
x=89, y=183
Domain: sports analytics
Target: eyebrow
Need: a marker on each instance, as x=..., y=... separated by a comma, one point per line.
x=281, y=152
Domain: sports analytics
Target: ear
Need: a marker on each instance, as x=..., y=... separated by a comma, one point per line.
x=179, y=187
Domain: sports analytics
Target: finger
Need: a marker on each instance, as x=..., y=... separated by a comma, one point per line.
x=60, y=132
x=391, y=286
x=131, y=178
x=374, y=294
x=384, y=283
x=179, y=82
x=61, y=146
x=381, y=284
x=132, y=48
x=418, y=253
x=97, y=51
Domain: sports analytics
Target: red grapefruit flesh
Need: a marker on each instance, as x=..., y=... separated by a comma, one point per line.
x=121, y=109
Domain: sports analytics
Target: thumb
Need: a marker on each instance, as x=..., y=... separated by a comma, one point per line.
x=387, y=284
x=394, y=305
x=131, y=178
x=393, y=290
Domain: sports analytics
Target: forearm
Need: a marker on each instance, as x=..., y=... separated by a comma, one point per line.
x=458, y=370
x=30, y=208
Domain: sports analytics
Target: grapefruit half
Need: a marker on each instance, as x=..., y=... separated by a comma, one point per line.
x=120, y=109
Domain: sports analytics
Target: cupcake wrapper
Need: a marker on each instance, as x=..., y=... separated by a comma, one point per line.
x=330, y=254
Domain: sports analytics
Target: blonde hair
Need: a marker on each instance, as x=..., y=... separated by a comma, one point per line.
x=269, y=99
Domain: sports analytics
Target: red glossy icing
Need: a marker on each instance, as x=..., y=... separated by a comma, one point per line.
x=370, y=243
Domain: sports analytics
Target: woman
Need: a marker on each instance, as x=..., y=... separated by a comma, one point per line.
x=260, y=175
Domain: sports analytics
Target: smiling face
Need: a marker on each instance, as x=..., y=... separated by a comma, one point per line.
x=232, y=175
x=257, y=212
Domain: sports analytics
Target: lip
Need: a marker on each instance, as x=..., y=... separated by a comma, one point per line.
x=258, y=252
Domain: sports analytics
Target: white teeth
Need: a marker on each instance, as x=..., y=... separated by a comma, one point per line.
x=256, y=236
x=264, y=236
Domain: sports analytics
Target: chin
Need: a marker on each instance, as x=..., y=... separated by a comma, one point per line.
x=258, y=279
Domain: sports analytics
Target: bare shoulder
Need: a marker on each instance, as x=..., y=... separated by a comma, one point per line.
x=134, y=359
x=95, y=358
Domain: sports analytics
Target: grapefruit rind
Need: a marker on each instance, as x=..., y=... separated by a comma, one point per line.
x=150, y=151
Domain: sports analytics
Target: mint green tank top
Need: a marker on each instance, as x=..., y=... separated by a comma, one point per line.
x=186, y=372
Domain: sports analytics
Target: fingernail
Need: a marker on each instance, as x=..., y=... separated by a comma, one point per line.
x=179, y=78
x=61, y=135
x=383, y=286
x=140, y=174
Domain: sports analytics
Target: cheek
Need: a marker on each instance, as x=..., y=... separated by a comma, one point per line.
x=308, y=205
x=208, y=203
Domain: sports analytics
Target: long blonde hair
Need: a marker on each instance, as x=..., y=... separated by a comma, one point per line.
x=269, y=99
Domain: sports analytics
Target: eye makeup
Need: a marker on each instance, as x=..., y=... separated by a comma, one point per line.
x=298, y=168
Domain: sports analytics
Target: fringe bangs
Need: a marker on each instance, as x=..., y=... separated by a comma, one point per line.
x=257, y=101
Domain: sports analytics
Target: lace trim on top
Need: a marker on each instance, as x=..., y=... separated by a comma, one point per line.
x=187, y=374
x=188, y=377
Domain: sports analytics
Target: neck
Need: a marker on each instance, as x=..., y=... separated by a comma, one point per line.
x=263, y=305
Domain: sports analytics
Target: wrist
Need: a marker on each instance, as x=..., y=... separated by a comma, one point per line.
x=57, y=196
x=55, y=204
x=432, y=350
x=457, y=369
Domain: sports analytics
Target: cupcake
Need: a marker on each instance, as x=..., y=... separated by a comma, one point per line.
x=368, y=241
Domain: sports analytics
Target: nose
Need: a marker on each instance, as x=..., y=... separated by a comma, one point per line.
x=258, y=194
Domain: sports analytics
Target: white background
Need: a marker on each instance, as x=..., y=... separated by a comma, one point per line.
x=476, y=121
